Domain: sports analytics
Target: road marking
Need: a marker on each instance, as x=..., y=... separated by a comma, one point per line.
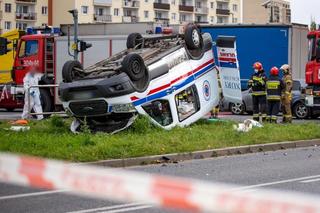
x=31, y=194
x=129, y=209
x=310, y=181
x=277, y=182
x=108, y=208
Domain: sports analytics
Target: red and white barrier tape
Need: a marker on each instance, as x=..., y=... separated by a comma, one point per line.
x=160, y=191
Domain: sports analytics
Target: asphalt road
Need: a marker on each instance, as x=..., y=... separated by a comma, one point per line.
x=294, y=170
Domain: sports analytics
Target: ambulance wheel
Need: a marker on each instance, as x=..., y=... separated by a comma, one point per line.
x=70, y=71
x=134, y=66
x=134, y=40
x=193, y=37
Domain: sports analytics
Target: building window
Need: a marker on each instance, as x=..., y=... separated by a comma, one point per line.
x=212, y=5
x=84, y=9
x=235, y=7
x=7, y=25
x=7, y=8
x=21, y=26
x=146, y=14
x=234, y=20
x=44, y=10
x=173, y=16
x=212, y=19
x=173, y=2
x=116, y=12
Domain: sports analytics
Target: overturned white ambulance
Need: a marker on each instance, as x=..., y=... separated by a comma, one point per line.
x=171, y=79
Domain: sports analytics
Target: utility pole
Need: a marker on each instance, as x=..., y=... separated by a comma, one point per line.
x=75, y=33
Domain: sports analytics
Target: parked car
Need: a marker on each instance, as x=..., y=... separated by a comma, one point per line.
x=299, y=108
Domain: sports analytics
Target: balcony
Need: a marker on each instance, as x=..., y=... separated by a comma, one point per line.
x=102, y=18
x=186, y=8
x=1, y=14
x=201, y=10
x=26, y=1
x=106, y=3
x=26, y=16
x=131, y=4
x=130, y=19
x=161, y=5
x=224, y=12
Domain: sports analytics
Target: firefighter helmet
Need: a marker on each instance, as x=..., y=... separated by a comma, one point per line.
x=285, y=69
x=274, y=71
x=257, y=66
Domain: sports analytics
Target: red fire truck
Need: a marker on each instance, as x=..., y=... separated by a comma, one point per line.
x=36, y=50
x=313, y=70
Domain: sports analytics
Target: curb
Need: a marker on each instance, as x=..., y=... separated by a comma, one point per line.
x=177, y=157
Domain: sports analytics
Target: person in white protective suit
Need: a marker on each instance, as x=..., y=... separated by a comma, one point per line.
x=31, y=79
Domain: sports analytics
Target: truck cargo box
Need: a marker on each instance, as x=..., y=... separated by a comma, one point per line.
x=273, y=45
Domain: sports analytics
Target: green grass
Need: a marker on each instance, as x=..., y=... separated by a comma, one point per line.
x=52, y=139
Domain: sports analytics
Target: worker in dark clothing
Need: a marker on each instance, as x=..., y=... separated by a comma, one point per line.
x=274, y=88
x=257, y=83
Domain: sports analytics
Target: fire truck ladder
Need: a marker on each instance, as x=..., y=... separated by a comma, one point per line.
x=49, y=57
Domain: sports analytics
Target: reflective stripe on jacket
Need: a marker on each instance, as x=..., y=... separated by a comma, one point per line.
x=258, y=84
x=274, y=88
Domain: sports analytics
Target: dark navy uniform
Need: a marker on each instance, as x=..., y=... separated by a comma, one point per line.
x=257, y=83
x=274, y=88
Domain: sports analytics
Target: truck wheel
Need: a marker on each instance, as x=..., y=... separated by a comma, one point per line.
x=69, y=73
x=133, y=40
x=193, y=37
x=46, y=100
x=133, y=65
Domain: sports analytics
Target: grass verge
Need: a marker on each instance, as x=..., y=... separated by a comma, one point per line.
x=51, y=139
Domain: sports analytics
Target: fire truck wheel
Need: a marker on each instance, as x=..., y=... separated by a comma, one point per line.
x=193, y=37
x=133, y=40
x=69, y=73
x=10, y=109
x=46, y=100
x=133, y=65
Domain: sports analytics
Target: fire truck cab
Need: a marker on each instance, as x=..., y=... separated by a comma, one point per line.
x=313, y=70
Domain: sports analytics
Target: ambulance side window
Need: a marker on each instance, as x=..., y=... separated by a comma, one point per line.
x=187, y=103
x=160, y=111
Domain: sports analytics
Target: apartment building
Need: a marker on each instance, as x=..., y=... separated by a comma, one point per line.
x=162, y=11
x=22, y=14
x=266, y=11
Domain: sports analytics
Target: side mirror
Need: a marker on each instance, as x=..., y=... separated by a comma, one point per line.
x=4, y=46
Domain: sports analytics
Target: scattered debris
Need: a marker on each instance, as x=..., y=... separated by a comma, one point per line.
x=247, y=125
x=19, y=128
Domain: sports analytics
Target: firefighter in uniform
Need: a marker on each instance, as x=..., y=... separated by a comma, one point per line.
x=274, y=87
x=257, y=83
x=286, y=96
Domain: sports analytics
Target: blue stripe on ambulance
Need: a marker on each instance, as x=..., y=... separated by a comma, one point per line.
x=175, y=87
x=228, y=64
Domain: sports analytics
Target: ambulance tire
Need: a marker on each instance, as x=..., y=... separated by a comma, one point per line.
x=193, y=37
x=134, y=66
x=134, y=40
x=68, y=71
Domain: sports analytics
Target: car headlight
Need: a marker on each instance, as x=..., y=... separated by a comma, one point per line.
x=123, y=108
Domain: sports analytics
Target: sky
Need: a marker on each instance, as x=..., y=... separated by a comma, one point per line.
x=303, y=10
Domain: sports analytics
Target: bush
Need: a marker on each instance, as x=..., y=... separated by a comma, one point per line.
x=57, y=124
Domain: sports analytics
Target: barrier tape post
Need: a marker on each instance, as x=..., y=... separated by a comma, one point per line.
x=160, y=191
